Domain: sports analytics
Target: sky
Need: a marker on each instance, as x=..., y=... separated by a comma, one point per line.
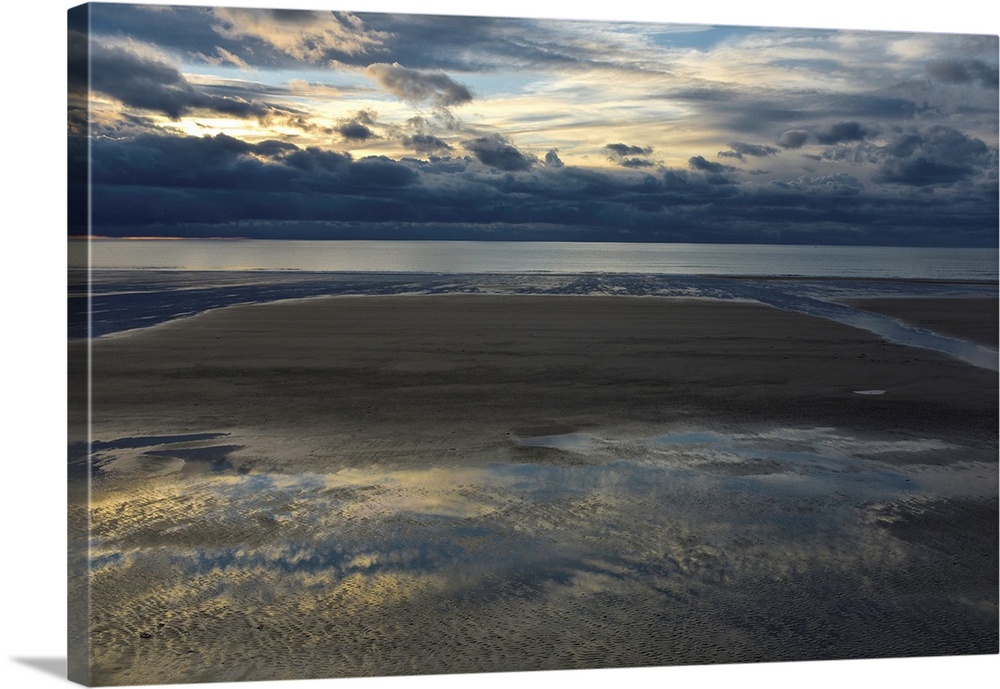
x=276, y=123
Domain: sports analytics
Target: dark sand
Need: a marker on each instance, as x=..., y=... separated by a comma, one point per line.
x=387, y=498
x=483, y=366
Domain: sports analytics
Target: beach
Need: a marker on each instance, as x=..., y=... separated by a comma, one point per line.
x=346, y=486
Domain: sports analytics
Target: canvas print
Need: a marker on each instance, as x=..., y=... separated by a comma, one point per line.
x=404, y=344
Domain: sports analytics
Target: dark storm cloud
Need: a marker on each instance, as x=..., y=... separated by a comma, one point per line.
x=356, y=128
x=552, y=159
x=498, y=152
x=793, y=138
x=274, y=149
x=738, y=150
x=922, y=171
x=223, y=162
x=414, y=86
x=939, y=155
x=380, y=172
x=221, y=186
x=147, y=83
x=425, y=143
x=841, y=132
x=183, y=29
x=636, y=163
x=842, y=136
x=935, y=156
x=699, y=163
x=629, y=156
x=355, y=131
x=964, y=72
x=619, y=151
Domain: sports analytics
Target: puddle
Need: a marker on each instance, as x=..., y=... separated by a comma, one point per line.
x=200, y=460
x=116, y=455
x=152, y=441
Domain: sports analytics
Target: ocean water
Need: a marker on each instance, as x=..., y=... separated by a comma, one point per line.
x=538, y=257
x=140, y=283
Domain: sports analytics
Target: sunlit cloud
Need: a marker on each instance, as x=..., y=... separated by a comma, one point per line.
x=305, y=35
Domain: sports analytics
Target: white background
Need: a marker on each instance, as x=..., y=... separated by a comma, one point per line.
x=32, y=370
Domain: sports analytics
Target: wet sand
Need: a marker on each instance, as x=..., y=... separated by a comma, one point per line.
x=974, y=319
x=396, y=485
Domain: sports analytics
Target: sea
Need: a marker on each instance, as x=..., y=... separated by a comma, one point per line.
x=138, y=283
x=538, y=257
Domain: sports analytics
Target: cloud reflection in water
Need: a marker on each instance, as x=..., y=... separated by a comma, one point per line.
x=697, y=539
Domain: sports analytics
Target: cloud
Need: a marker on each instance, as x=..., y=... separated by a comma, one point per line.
x=498, y=152
x=738, y=150
x=308, y=36
x=552, y=159
x=937, y=155
x=629, y=156
x=355, y=131
x=858, y=153
x=839, y=183
x=224, y=162
x=793, y=138
x=619, y=151
x=221, y=186
x=840, y=132
x=762, y=110
x=636, y=163
x=356, y=128
x=145, y=82
x=222, y=57
x=414, y=86
x=964, y=72
x=380, y=172
x=492, y=44
x=699, y=163
x=426, y=143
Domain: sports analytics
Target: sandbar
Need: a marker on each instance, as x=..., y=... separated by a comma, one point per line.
x=372, y=372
